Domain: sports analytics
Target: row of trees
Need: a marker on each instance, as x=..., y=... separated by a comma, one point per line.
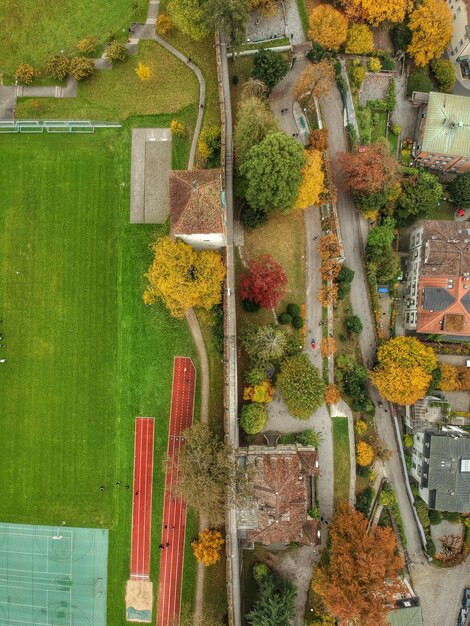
x=428, y=26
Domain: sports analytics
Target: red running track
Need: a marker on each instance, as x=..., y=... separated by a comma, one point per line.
x=174, y=509
x=142, y=498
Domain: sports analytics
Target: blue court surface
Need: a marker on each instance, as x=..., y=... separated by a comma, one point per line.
x=53, y=576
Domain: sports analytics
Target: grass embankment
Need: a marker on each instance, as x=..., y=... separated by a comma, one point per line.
x=84, y=355
x=118, y=93
x=32, y=29
x=341, y=459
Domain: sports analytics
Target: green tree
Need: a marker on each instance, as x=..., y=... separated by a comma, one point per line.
x=254, y=121
x=229, y=16
x=264, y=343
x=190, y=17
x=273, y=172
x=57, y=66
x=275, y=603
x=116, y=51
x=301, y=386
x=353, y=324
x=269, y=67
x=253, y=417
x=421, y=192
x=380, y=252
x=81, y=68
x=419, y=80
x=444, y=73
x=345, y=276
x=460, y=189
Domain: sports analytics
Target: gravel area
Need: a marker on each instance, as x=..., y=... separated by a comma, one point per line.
x=443, y=529
x=374, y=87
x=286, y=23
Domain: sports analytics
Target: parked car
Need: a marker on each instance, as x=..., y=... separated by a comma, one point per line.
x=463, y=614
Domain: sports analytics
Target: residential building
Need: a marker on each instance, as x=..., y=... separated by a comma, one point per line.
x=197, y=208
x=437, y=279
x=459, y=47
x=283, y=494
x=429, y=412
x=407, y=612
x=440, y=462
x=442, y=141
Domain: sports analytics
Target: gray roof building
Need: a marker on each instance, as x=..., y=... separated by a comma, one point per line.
x=405, y=616
x=445, y=471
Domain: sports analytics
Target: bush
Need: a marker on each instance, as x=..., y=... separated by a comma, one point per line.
x=25, y=74
x=314, y=513
x=285, y=318
x=269, y=67
x=57, y=66
x=235, y=80
x=342, y=85
x=81, y=68
x=396, y=129
x=352, y=137
x=430, y=547
x=364, y=501
x=116, y=51
x=260, y=571
x=253, y=417
x=358, y=74
x=163, y=25
x=250, y=306
x=388, y=63
x=309, y=438
x=255, y=375
x=444, y=73
x=293, y=309
x=401, y=36
x=419, y=80
x=391, y=99
x=374, y=64
x=460, y=189
x=434, y=517
x=301, y=386
x=318, y=139
x=422, y=511
x=209, y=144
x=451, y=516
x=364, y=454
x=253, y=217
x=345, y=276
x=87, y=44
x=298, y=322
x=408, y=440
x=360, y=427
x=353, y=324
x=177, y=128
x=363, y=472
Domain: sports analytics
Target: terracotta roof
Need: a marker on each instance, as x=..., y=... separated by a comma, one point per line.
x=282, y=493
x=446, y=250
x=195, y=202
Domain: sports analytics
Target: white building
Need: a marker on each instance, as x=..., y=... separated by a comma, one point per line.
x=459, y=47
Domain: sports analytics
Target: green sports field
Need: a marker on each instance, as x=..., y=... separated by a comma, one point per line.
x=84, y=355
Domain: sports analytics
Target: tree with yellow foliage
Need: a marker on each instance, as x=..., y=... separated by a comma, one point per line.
x=360, y=39
x=328, y=294
x=183, y=277
x=330, y=269
x=431, y=28
x=332, y=394
x=327, y=346
x=364, y=454
x=315, y=81
x=143, y=72
x=268, y=8
x=404, y=370
x=360, y=427
x=177, y=128
x=163, y=25
x=311, y=186
x=327, y=26
x=375, y=12
x=208, y=547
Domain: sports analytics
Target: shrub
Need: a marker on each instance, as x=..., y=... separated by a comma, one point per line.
x=408, y=440
x=360, y=427
x=285, y=318
x=391, y=100
x=87, y=44
x=419, y=80
x=163, y=25
x=260, y=571
x=374, y=64
x=297, y=322
x=364, y=472
x=332, y=395
x=116, y=51
x=353, y=324
x=209, y=143
x=430, y=547
x=314, y=513
x=25, y=73
x=364, y=501
x=451, y=516
x=345, y=275
x=396, y=129
x=255, y=375
x=352, y=137
x=444, y=73
x=422, y=512
x=358, y=74
x=309, y=438
x=177, y=128
x=434, y=517
x=235, y=80
x=250, y=306
x=269, y=67
x=253, y=417
x=57, y=66
x=253, y=217
x=293, y=309
x=388, y=63
x=318, y=139
x=364, y=454
x=81, y=68
x=342, y=85
x=262, y=393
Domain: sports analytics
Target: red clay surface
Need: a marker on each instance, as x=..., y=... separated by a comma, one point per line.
x=174, y=509
x=142, y=498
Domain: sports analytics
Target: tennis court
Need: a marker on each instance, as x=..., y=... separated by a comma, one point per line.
x=52, y=576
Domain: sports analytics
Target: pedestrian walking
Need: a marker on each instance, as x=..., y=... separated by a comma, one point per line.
x=2, y=360
x=315, y=238
x=166, y=526
x=167, y=544
x=189, y=60
x=161, y=546
x=201, y=106
x=137, y=493
x=172, y=528
x=127, y=486
x=101, y=487
x=118, y=482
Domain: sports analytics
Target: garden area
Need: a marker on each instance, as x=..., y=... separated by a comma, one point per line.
x=341, y=457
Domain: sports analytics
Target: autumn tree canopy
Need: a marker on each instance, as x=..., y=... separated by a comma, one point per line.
x=264, y=343
x=183, y=277
x=327, y=26
x=272, y=170
x=404, y=370
x=375, y=12
x=301, y=386
x=370, y=170
x=359, y=580
x=264, y=282
x=254, y=121
x=208, y=546
x=431, y=27
x=360, y=40
x=312, y=185
x=315, y=81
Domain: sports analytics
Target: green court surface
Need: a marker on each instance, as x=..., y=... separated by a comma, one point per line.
x=52, y=576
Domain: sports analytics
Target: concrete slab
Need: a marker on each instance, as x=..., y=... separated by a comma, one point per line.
x=150, y=165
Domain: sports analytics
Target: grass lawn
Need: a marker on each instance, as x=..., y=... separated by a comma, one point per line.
x=118, y=93
x=84, y=355
x=341, y=459
x=240, y=67
x=443, y=211
x=32, y=29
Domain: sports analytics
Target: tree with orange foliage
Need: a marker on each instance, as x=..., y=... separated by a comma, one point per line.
x=376, y=12
x=328, y=294
x=327, y=26
x=318, y=139
x=371, y=170
x=316, y=81
x=311, y=186
x=454, y=378
x=431, y=28
x=332, y=394
x=327, y=346
x=208, y=547
x=364, y=454
x=330, y=269
x=359, y=580
x=328, y=247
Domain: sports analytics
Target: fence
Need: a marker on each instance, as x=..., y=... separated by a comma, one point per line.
x=53, y=126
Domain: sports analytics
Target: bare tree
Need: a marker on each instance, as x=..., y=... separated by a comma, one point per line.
x=315, y=81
